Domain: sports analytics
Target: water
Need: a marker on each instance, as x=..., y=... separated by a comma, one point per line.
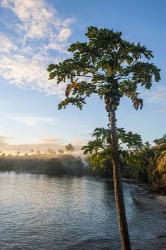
x=40, y=212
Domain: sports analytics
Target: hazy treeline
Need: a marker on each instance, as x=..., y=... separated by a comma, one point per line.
x=140, y=161
x=60, y=165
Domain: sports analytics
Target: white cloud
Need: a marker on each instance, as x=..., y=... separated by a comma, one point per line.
x=32, y=121
x=37, y=19
x=64, y=34
x=10, y=145
x=157, y=95
x=37, y=29
x=50, y=141
x=55, y=46
x=5, y=44
x=23, y=71
x=34, y=16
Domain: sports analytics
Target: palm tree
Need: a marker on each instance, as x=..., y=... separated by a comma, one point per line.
x=18, y=153
x=32, y=151
x=61, y=151
x=110, y=67
x=69, y=147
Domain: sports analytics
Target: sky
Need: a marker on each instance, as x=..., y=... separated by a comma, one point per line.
x=34, y=34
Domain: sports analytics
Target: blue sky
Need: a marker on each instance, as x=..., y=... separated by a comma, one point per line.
x=36, y=33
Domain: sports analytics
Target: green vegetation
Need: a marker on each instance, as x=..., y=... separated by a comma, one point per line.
x=140, y=161
x=110, y=67
x=99, y=150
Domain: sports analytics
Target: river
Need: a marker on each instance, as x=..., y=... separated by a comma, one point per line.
x=41, y=212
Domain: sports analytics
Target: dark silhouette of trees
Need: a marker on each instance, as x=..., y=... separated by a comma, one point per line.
x=61, y=151
x=69, y=147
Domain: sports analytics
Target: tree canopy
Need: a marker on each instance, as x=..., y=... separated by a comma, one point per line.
x=102, y=139
x=107, y=65
x=98, y=150
x=161, y=140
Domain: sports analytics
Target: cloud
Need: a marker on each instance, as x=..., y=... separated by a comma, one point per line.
x=32, y=121
x=50, y=141
x=64, y=34
x=5, y=44
x=54, y=144
x=38, y=34
x=36, y=18
x=26, y=72
x=156, y=95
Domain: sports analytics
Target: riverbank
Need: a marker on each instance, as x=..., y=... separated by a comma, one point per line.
x=144, y=197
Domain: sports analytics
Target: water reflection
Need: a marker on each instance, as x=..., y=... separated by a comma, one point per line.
x=40, y=212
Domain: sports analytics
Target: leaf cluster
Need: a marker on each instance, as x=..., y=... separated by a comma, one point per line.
x=96, y=64
x=102, y=141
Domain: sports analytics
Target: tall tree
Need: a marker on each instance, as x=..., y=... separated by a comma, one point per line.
x=110, y=67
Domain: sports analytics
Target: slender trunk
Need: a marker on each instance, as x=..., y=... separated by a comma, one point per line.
x=118, y=190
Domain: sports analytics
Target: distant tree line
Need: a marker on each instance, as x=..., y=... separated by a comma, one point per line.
x=58, y=166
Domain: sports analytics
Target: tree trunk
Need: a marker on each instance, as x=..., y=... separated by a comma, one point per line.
x=118, y=190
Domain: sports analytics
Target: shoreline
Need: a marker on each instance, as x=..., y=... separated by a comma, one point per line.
x=144, y=195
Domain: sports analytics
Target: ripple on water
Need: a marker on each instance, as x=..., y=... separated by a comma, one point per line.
x=40, y=212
